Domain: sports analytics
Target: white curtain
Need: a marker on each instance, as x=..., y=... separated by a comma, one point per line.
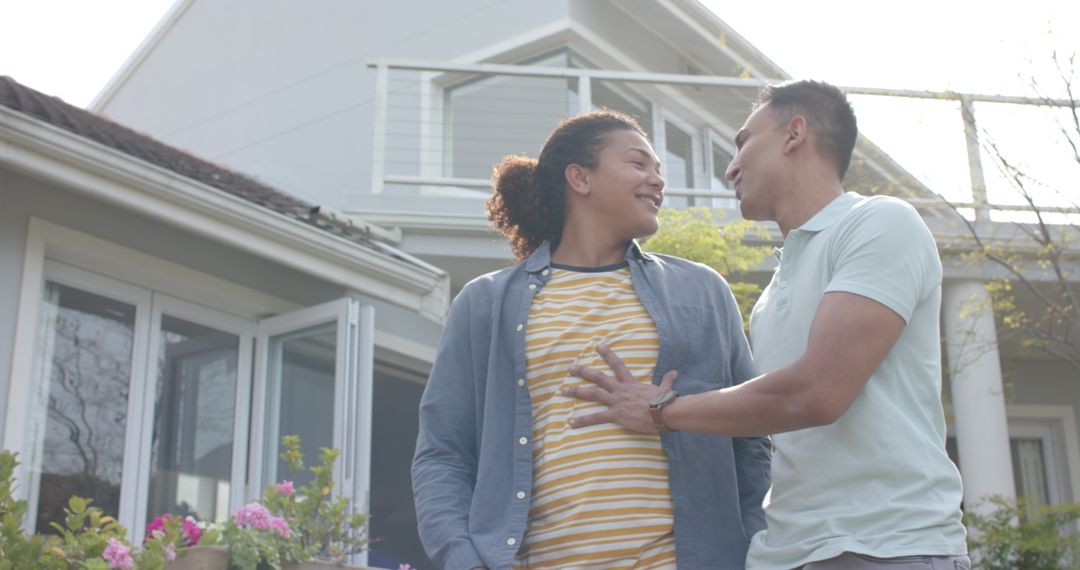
x=1029, y=466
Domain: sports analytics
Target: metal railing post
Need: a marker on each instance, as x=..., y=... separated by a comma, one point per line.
x=978, y=180
x=378, y=143
x=584, y=87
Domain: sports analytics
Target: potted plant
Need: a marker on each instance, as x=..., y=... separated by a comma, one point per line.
x=292, y=528
x=296, y=528
x=85, y=539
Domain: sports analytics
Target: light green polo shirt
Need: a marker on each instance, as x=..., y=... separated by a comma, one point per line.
x=878, y=480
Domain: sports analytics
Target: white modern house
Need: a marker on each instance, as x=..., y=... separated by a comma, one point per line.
x=165, y=319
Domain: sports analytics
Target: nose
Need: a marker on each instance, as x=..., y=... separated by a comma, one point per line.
x=657, y=181
x=732, y=171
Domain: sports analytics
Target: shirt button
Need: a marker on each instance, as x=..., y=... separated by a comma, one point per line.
x=519, y=327
x=783, y=285
x=521, y=382
x=532, y=286
x=521, y=494
x=523, y=440
x=511, y=541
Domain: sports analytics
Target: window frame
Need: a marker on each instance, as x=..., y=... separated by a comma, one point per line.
x=1063, y=455
x=64, y=255
x=244, y=330
x=115, y=290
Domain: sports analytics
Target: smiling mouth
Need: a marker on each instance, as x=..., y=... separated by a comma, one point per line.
x=651, y=199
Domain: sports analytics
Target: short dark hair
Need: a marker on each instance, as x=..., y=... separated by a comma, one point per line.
x=827, y=111
x=528, y=203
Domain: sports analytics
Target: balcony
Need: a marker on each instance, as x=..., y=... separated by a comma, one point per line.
x=440, y=127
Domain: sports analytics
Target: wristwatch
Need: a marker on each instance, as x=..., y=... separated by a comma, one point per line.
x=657, y=405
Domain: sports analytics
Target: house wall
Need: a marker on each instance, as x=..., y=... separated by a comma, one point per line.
x=282, y=90
x=12, y=235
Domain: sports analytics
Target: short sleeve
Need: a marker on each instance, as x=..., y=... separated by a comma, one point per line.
x=885, y=252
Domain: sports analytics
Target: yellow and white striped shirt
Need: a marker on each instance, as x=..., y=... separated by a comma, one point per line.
x=600, y=494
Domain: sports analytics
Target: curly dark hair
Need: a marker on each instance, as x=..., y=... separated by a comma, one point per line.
x=528, y=203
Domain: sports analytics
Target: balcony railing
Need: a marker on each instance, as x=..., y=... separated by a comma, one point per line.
x=439, y=127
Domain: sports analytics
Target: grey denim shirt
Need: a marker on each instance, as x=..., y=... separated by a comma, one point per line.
x=473, y=469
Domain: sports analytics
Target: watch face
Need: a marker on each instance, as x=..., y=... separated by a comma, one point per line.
x=663, y=398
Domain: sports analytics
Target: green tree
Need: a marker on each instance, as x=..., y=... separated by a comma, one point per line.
x=700, y=234
x=1016, y=536
x=1037, y=255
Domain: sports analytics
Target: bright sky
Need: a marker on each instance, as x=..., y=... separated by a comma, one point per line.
x=71, y=48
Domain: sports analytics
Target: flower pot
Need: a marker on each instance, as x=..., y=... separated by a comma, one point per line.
x=201, y=558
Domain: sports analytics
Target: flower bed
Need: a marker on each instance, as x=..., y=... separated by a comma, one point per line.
x=291, y=528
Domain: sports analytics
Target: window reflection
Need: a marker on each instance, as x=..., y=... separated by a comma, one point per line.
x=301, y=392
x=83, y=379
x=191, y=453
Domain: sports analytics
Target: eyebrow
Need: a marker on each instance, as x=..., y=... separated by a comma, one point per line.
x=740, y=137
x=644, y=153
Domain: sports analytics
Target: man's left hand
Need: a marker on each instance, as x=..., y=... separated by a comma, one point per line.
x=626, y=397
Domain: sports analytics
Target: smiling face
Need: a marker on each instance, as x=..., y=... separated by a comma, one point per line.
x=757, y=169
x=625, y=190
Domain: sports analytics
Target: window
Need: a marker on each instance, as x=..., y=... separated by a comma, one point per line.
x=1043, y=445
x=141, y=401
x=678, y=162
x=191, y=449
x=138, y=439
x=313, y=379
x=1029, y=470
x=721, y=154
x=79, y=420
x=490, y=117
x=614, y=95
x=721, y=159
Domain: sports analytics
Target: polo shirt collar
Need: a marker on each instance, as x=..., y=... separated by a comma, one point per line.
x=832, y=212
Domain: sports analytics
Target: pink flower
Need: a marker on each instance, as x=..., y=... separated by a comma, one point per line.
x=118, y=555
x=404, y=567
x=253, y=515
x=281, y=526
x=170, y=552
x=190, y=531
x=156, y=528
x=258, y=517
x=285, y=488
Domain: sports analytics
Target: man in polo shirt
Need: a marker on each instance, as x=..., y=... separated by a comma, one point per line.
x=847, y=332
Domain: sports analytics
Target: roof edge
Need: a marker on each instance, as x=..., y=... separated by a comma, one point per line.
x=94, y=169
x=152, y=39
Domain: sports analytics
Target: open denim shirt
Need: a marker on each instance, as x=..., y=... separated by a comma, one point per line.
x=473, y=469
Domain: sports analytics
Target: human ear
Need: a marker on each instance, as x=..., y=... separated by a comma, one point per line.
x=796, y=133
x=577, y=179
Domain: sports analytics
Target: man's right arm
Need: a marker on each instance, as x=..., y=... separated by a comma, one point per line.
x=445, y=465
